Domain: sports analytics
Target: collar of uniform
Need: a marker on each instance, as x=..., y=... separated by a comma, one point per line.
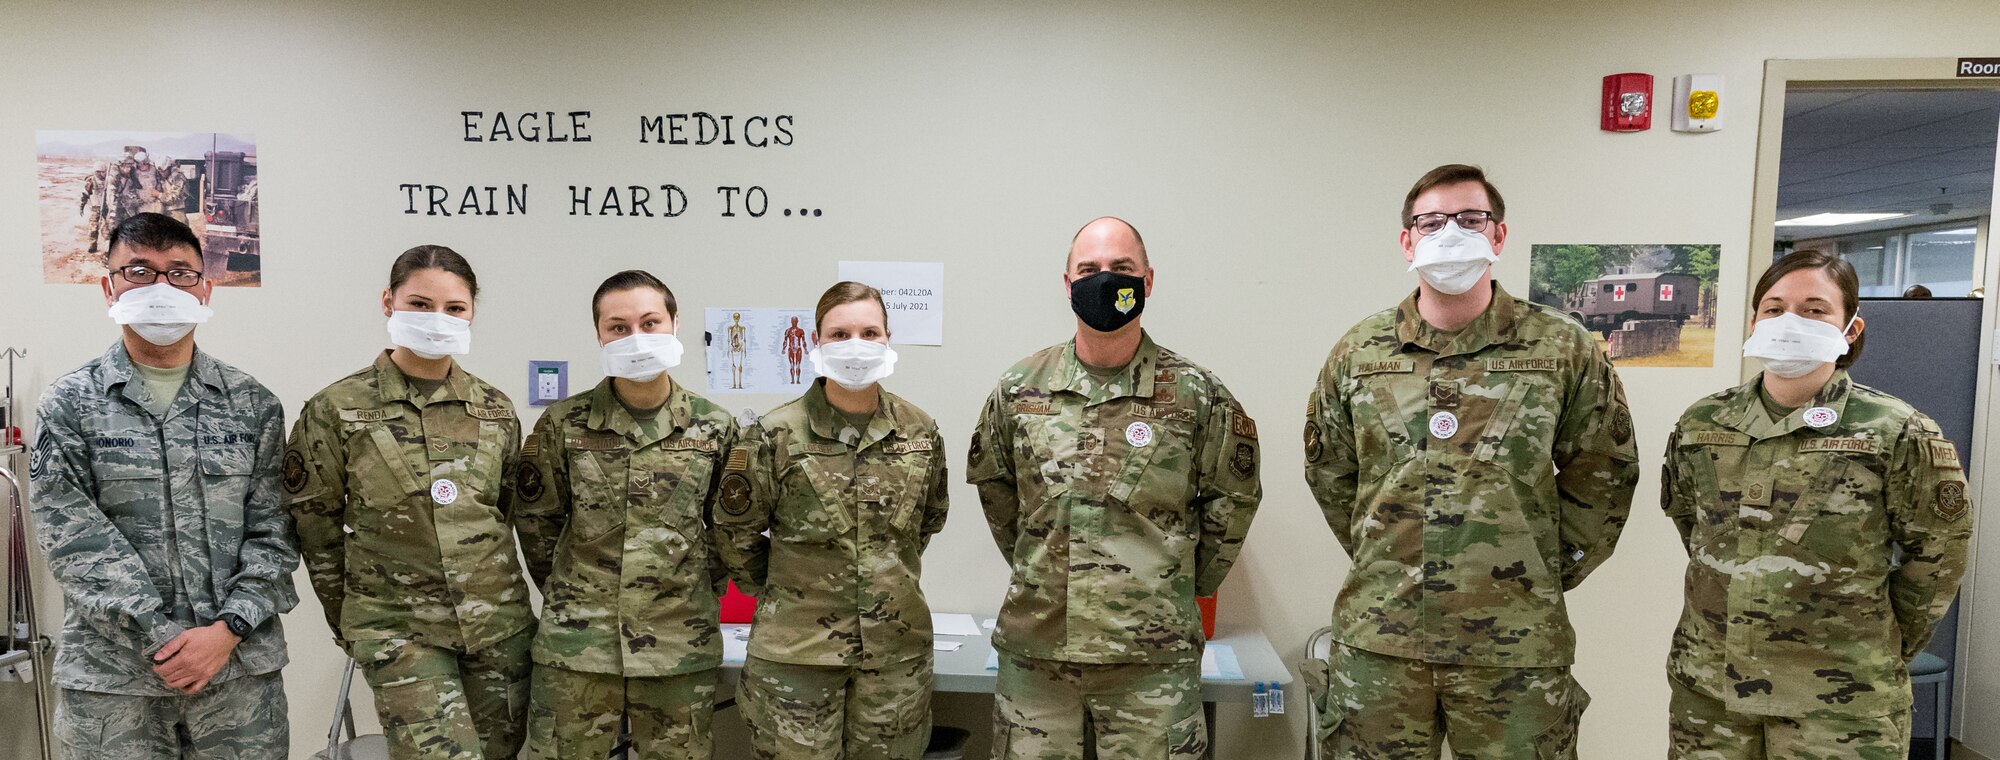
x=393, y=385
x=115, y=369
x=608, y=413
x=1492, y=327
x=1833, y=395
x=826, y=421
x=1136, y=379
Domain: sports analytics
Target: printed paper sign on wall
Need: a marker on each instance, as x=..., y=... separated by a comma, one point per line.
x=913, y=292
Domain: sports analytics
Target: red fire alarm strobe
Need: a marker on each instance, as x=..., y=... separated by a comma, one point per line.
x=1628, y=103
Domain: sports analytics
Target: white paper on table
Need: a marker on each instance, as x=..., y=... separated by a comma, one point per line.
x=1209, y=667
x=953, y=624
x=913, y=291
x=947, y=646
x=735, y=643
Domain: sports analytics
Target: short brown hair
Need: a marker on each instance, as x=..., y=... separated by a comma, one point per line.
x=432, y=257
x=846, y=292
x=1843, y=276
x=1453, y=174
x=632, y=279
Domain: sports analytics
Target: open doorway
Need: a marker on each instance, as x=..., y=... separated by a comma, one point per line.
x=1891, y=165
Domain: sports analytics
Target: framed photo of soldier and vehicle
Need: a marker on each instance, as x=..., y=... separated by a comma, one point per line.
x=89, y=181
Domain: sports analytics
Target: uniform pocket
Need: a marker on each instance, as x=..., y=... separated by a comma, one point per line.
x=1188, y=739
x=812, y=502
x=82, y=735
x=597, y=488
x=787, y=718
x=409, y=709
x=225, y=480
x=1559, y=740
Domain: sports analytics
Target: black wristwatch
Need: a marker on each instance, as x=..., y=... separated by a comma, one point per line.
x=237, y=625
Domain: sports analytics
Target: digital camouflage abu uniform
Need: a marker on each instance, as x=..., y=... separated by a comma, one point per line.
x=840, y=657
x=1825, y=543
x=154, y=525
x=425, y=591
x=1473, y=477
x=1116, y=499
x=612, y=512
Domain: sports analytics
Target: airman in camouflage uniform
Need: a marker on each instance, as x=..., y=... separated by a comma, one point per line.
x=1821, y=559
x=612, y=514
x=426, y=590
x=155, y=525
x=98, y=204
x=155, y=475
x=1117, y=494
x=1473, y=476
x=840, y=658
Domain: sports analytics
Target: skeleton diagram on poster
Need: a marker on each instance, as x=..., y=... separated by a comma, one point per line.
x=759, y=350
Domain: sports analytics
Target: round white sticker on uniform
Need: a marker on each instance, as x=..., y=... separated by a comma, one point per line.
x=1139, y=434
x=1444, y=425
x=443, y=491
x=1821, y=416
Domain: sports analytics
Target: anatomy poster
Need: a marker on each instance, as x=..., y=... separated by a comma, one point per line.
x=91, y=181
x=759, y=350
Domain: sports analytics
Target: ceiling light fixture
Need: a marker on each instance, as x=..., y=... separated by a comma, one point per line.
x=1836, y=219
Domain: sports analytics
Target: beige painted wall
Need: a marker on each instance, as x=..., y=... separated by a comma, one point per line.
x=1262, y=147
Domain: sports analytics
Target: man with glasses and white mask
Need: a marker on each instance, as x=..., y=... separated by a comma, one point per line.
x=156, y=474
x=1474, y=455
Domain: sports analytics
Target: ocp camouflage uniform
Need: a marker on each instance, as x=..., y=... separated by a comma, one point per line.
x=154, y=525
x=1473, y=476
x=1821, y=560
x=1117, y=499
x=425, y=591
x=612, y=514
x=840, y=658
x=97, y=201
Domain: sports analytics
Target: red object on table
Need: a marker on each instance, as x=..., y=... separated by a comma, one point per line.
x=737, y=607
x=1207, y=605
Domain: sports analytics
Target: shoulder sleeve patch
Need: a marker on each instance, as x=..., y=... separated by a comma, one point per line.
x=1951, y=501
x=294, y=472
x=1242, y=425
x=1944, y=456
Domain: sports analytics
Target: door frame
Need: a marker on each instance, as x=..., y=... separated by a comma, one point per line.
x=1977, y=665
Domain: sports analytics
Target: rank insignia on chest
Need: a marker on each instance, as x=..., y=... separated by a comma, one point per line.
x=1444, y=395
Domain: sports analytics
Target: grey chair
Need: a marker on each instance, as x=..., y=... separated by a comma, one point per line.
x=1932, y=670
x=1313, y=672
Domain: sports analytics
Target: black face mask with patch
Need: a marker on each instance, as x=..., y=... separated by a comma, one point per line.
x=1107, y=301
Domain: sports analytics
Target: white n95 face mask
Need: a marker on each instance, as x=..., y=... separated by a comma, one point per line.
x=1793, y=346
x=640, y=356
x=430, y=334
x=160, y=313
x=854, y=364
x=1452, y=259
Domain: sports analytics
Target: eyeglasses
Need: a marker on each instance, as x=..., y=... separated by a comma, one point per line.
x=1470, y=221
x=140, y=274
